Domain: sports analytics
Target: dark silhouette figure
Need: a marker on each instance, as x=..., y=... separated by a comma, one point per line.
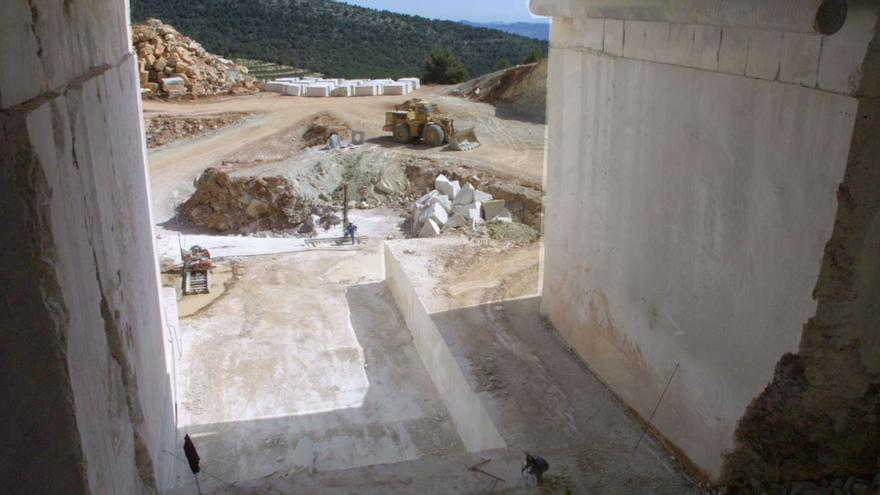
x=535, y=466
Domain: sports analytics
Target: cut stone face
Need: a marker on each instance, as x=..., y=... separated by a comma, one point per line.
x=494, y=209
x=429, y=229
x=481, y=196
x=442, y=201
x=424, y=200
x=456, y=220
x=470, y=212
x=437, y=213
x=444, y=186
x=465, y=195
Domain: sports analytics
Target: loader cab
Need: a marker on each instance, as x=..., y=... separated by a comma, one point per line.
x=423, y=111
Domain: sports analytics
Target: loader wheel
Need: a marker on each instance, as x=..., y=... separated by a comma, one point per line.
x=433, y=135
x=402, y=133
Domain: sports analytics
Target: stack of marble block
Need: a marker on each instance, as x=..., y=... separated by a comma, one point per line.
x=321, y=88
x=452, y=205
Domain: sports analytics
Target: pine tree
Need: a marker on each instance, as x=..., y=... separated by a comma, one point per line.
x=533, y=57
x=443, y=67
x=502, y=64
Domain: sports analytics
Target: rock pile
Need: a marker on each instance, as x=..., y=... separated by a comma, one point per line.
x=245, y=205
x=322, y=127
x=452, y=205
x=163, y=130
x=172, y=65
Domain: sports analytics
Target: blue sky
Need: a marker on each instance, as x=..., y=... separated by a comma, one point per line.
x=456, y=10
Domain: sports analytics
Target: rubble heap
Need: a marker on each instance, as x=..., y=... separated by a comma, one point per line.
x=452, y=205
x=322, y=127
x=246, y=205
x=172, y=64
x=163, y=130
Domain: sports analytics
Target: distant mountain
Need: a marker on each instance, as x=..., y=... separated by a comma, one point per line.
x=333, y=38
x=535, y=30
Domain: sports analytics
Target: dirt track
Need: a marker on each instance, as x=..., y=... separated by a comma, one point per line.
x=513, y=147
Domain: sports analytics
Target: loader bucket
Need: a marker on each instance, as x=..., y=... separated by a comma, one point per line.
x=465, y=140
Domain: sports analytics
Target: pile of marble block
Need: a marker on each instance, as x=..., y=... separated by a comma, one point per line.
x=451, y=205
x=321, y=88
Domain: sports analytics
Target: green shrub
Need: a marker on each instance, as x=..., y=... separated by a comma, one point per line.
x=533, y=57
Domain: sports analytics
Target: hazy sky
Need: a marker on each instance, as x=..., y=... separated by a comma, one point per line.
x=456, y=10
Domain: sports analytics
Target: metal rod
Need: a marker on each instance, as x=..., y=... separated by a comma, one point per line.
x=344, y=208
x=488, y=474
x=198, y=488
x=656, y=407
x=476, y=467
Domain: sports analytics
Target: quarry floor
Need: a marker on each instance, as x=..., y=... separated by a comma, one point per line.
x=303, y=366
x=302, y=377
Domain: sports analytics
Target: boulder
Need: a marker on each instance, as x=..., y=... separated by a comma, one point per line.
x=384, y=186
x=495, y=209
x=183, y=67
x=482, y=197
x=456, y=220
x=423, y=201
x=470, y=212
x=417, y=219
x=442, y=201
x=444, y=186
x=465, y=195
x=429, y=229
x=436, y=213
x=455, y=188
x=174, y=86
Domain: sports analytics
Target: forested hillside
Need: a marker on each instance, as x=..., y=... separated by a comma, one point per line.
x=536, y=30
x=333, y=38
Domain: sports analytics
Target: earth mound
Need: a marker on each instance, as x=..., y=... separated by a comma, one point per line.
x=243, y=205
x=163, y=130
x=521, y=90
x=322, y=127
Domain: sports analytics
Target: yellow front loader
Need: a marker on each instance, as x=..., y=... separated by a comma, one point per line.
x=422, y=123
